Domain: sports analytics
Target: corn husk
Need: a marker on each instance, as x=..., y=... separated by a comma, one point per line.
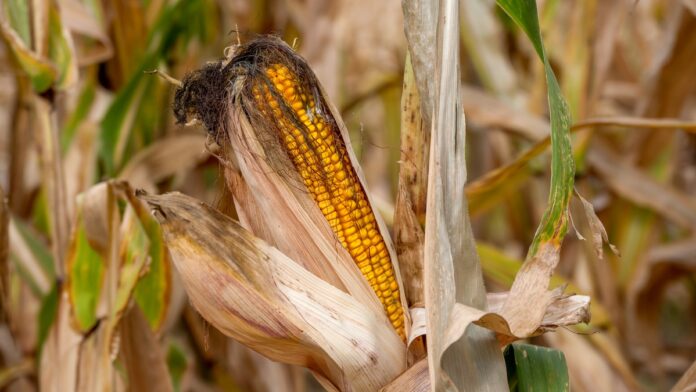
x=255, y=294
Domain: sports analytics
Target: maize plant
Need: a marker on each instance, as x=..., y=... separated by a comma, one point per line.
x=307, y=273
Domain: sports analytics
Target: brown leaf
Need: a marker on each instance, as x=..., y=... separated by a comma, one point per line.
x=61, y=348
x=599, y=233
x=415, y=379
x=141, y=354
x=531, y=283
x=94, y=370
x=412, y=193
x=588, y=368
x=164, y=158
x=637, y=187
x=688, y=381
x=253, y=293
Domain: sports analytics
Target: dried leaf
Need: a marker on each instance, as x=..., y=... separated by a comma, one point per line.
x=472, y=361
x=94, y=370
x=415, y=379
x=420, y=20
x=632, y=184
x=164, y=158
x=688, y=381
x=503, y=269
x=599, y=233
x=412, y=195
x=589, y=369
x=255, y=294
x=142, y=356
x=78, y=19
x=486, y=110
x=62, y=347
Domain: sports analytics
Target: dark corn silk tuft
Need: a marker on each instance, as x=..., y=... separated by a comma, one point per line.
x=279, y=92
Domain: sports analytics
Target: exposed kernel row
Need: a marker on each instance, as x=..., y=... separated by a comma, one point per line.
x=322, y=161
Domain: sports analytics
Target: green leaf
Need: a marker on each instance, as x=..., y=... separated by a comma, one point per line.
x=85, y=278
x=553, y=225
x=535, y=368
x=177, y=364
x=134, y=255
x=41, y=72
x=142, y=242
x=47, y=314
x=153, y=290
x=60, y=50
x=182, y=21
x=38, y=249
x=17, y=12
x=79, y=114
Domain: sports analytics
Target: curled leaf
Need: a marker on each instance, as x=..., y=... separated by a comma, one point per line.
x=599, y=233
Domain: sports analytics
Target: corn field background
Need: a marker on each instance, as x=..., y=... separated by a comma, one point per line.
x=95, y=295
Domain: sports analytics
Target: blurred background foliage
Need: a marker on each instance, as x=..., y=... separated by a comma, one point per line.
x=79, y=105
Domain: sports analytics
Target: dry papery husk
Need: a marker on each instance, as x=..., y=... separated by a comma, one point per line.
x=255, y=294
x=308, y=303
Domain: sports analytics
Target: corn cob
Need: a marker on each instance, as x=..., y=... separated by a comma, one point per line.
x=316, y=148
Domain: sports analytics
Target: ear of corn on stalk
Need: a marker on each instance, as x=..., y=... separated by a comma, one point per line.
x=281, y=97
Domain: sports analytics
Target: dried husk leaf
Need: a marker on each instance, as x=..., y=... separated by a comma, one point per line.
x=415, y=379
x=253, y=293
x=564, y=310
x=255, y=372
x=262, y=197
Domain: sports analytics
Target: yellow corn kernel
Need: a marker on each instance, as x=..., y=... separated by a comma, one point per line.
x=325, y=168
